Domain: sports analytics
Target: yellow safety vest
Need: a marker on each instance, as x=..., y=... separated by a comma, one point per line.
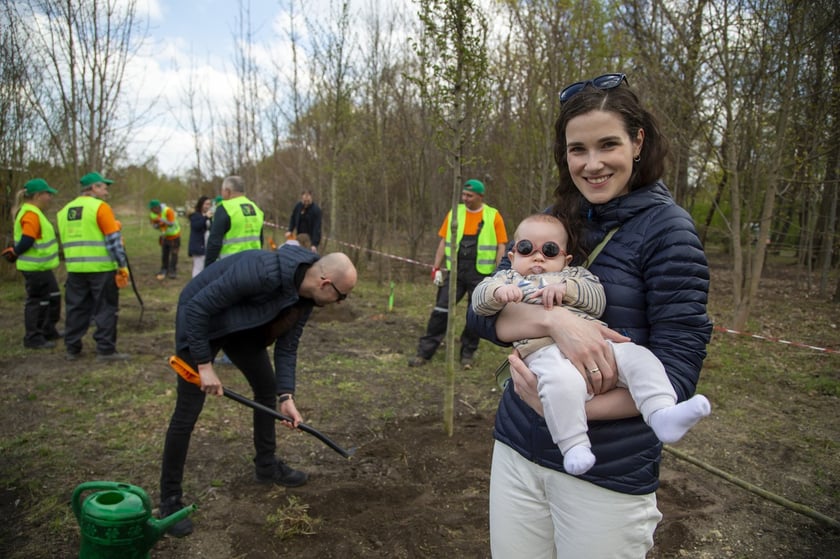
x=167, y=230
x=485, y=259
x=43, y=255
x=246, y=223
x=83, y=241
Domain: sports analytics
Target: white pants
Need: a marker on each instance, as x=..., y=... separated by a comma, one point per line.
x=539, y=513
x=563, y=390
x=198, y=264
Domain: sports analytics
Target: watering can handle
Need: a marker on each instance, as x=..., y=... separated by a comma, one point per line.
x=113, y=485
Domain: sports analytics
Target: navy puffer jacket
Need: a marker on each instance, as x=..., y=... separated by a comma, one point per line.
x=656, y=280
x=244, y=291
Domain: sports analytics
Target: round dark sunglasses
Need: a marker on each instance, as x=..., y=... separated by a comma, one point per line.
x=607, y=81
x=549, y=249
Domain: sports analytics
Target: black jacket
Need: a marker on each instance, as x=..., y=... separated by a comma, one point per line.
x=307, y=220
x=244, y=291
x=656, y=280
x=199, y=225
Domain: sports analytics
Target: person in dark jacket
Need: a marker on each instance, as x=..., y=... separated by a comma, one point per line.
x=200, y=221
x=242, y=304
x=306, y=219
x=610, y=155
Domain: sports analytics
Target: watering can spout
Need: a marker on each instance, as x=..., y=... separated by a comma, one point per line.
x=157, y=528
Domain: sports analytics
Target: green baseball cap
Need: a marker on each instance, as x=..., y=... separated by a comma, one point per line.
x=154, y=203
x=474, y=185
x=38, y=185
x=93, y=178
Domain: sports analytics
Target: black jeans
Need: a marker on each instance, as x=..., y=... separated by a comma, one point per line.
x=436, y=328
x=247, y=351
x=91, y=296
x=42, y=309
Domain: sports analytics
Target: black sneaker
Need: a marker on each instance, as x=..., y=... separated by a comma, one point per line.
x=70, y=356
x=281, y=474
x=183, y=527
x=466, y=363
x=417, y=361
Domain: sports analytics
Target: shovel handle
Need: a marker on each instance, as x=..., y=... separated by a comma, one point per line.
x=190, y=375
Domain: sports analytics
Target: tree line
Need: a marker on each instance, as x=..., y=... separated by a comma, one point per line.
x=748, y=91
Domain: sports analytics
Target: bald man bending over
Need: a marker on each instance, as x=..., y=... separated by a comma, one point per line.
x=242, y=304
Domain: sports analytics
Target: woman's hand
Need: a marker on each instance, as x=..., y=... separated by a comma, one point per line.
x=524, y=382
x=584, y=343
x=210, y=383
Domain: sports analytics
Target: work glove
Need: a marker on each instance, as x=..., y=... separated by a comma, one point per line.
x=437, y=276
x=122, y=277
x=9, y=254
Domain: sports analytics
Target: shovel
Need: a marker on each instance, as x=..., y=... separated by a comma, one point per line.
x=188, y=374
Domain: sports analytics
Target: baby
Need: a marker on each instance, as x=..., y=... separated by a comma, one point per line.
x=540, y=274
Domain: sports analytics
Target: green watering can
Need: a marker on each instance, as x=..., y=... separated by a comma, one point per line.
x=117, y=522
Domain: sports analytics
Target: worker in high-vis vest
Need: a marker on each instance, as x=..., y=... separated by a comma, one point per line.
x=35, y=254
x=165, y=220
x=97, y=267
x=237, y=223
x=480, y=245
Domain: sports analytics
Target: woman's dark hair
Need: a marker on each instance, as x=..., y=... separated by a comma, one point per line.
x=625, y=103
x=200, y=204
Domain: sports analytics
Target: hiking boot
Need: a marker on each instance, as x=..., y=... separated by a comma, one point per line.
x=183, y=527
x=466, y=363
x=116, y=356
x=417, y=361
x=70, y=356
x=281, y=474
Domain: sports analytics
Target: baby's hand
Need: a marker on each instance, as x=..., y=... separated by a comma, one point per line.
x=508, y=293
x=553, y=294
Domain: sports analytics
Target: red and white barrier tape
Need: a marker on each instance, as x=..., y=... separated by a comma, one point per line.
x=357, y=247
x=777, y=340
x=717, y=328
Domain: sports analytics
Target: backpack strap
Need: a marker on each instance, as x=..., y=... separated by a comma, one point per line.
x=597, y=250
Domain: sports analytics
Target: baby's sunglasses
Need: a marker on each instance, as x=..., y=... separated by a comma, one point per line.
x=549, y=249
x=607, y=81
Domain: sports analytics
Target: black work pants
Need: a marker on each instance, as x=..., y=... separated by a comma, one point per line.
x=91, y=296
x=169, y=256
x=436, y=328
x=42, y=309
x=247, y=351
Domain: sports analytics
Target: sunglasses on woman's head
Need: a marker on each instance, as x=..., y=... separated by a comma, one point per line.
x=607, y=81
x=549, y=249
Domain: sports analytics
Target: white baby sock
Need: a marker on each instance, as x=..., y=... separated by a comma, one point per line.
x=578, y=459
x=670, y=424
